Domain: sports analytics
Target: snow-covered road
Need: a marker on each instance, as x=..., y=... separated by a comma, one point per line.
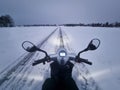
x=20, y=75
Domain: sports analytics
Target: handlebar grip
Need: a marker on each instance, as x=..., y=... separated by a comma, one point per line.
x=33, y=64
x=84, y=60
x=38, y=61
x=87, y=62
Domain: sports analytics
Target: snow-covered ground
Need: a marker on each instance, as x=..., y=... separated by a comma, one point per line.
x=105, y=69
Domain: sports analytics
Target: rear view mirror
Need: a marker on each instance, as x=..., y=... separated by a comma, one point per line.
x=29, y=46
x=94, y=44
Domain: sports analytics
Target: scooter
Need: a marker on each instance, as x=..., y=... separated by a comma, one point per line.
x=61, y=64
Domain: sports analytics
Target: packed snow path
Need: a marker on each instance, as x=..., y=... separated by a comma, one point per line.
x=21, y=75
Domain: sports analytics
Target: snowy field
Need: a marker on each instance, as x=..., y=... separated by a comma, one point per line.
x=105, y=69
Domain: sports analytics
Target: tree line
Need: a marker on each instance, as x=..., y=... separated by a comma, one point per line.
x=107, y=24
x=6, y=21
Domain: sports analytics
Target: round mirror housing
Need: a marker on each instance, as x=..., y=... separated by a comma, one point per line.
x=94, y=44
x=29, y=46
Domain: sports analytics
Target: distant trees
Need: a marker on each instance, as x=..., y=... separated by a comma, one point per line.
x=6, y=21
x=117, y=24
x=106, y=24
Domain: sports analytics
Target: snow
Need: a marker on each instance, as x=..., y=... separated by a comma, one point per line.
x=11, y=40
x=105, y=69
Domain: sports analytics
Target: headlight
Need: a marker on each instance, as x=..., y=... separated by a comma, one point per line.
x=62, y=54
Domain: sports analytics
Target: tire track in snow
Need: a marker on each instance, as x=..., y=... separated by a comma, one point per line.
x=27, y=69
x=24, y=76
x=8, y=75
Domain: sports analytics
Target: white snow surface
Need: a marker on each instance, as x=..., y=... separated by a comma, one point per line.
x=105, y=69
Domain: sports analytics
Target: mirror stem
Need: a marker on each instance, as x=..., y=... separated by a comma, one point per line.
x=82, y=52
x=43, y=51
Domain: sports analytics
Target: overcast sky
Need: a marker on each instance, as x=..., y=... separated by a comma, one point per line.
x=61, y=11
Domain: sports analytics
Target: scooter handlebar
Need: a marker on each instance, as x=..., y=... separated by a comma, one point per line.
x=79, y=60
x=48, y=59
x=40, y=61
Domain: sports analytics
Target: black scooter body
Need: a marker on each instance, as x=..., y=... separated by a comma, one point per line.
x=61, y=72
x=61, y=77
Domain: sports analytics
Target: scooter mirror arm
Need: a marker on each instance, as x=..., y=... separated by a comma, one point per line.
x=43, y=52
x=82, y=52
